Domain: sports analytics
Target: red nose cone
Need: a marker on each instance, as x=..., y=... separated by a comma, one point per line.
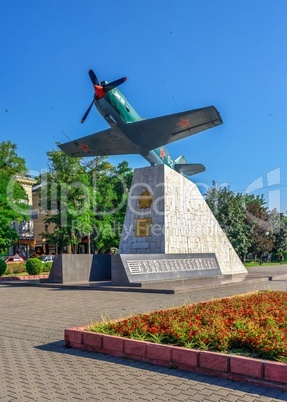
x=99, y=90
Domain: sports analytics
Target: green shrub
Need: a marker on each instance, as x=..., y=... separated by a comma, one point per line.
x=3, y=267
x=34, y=266
x=276, y=256
x=47, y=266
x=15, y=268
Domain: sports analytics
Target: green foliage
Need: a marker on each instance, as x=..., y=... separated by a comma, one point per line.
x=248, y=224
x=84, y=199
x=62, y=196
x=10, y=162
x=34, y=266
x=13, y=199
x=229, y=210
x=262, y=235
x=3, y=267
x=279, y=231
x=276, y=256
x=12, y=208
x=15, y=268
x=47, y=266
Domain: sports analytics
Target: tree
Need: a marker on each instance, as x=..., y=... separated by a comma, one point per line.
x=83, y=199
x=278, y=225
x=110, y=187
x=61, y=197
x=13, y=199
x=10, y=162
x=110, y=224
x=257, y=215
x=247, y=222
x=229, y=210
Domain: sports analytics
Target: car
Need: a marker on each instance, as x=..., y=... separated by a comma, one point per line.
x=11, y=259
x=46, y=258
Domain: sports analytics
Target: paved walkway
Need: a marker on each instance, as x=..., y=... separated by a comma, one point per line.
x=36, y=366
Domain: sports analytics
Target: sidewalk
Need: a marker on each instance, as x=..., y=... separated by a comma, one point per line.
x=254, y=275
x=35, y=364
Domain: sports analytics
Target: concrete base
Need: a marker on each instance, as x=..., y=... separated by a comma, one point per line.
x=80, y=268
x=167, y=215
x=140, y=269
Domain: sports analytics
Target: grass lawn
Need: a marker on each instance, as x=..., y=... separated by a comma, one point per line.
x=252, y=325
x=257, y=264
x=25, y=273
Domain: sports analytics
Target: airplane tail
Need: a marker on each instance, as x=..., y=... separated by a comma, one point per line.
x=189, y=169
x=180, y=160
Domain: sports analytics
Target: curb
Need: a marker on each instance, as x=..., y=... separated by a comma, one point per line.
x=24, y=277
x=232, y=367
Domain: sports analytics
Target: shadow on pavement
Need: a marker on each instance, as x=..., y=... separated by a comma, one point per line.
x=60, y=347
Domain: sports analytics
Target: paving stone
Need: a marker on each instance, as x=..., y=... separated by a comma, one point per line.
x=36, y=365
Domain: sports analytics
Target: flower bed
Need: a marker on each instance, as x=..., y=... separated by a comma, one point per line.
x=251, y=325
x=23, y=277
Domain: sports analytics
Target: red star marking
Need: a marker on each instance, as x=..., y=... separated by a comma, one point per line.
x=84, y=147
x=162, y=153
x=184, y=123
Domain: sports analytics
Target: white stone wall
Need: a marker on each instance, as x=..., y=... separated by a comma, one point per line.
x=181, y=220
x=151, y=179
x=191, y=227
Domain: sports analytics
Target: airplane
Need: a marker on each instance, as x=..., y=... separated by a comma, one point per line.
x=131, y=134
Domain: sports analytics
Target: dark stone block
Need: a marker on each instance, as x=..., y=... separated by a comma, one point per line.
x=80, y=268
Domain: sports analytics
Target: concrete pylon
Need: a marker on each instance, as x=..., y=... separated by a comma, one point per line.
x=167, y=214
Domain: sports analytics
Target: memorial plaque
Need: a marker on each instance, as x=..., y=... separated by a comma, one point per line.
x=145, y=199
x=137, y=269
x=143, y=227
x=171, y=265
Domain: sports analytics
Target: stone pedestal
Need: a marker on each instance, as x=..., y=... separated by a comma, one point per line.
x=167, y=214
x=80, y=268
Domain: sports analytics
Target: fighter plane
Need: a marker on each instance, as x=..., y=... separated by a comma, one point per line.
x=131, y=134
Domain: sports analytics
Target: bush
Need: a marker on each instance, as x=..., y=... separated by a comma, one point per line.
x=3, y=267
x=276, y=256
x=15, y=268
x=34, y=266
x=47, y=266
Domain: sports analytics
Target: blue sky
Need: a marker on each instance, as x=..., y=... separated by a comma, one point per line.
x=177, y=55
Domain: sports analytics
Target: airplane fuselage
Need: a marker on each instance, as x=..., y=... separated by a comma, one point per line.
x=129, y=133
x=115, y=109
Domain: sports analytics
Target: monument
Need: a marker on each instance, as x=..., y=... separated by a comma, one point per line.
x=169, y=232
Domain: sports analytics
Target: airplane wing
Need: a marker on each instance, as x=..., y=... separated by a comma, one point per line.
x=189, y=169
x=107, y=142
x=144, y=135
x=153, y=133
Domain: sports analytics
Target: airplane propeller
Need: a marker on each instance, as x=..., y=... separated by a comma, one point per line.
x=87, y=111
x=101, y=89
x=93, y=77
